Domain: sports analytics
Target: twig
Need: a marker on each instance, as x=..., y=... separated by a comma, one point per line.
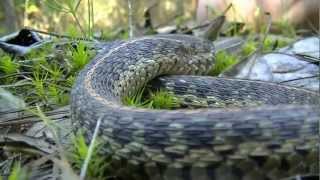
x=77, y=6
x=227, y=9
x=308, y=77
x=14, y=85
x=208, y=23
x=261, y=43
x=14, y=74
x=59, y=8
x=56, y=34
x=264, y=37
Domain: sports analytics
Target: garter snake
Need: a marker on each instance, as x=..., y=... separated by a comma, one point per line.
x=274, y=140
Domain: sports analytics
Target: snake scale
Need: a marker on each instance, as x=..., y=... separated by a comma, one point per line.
x=273, y=140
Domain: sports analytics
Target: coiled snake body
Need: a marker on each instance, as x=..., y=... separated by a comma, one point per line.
x=275, y=140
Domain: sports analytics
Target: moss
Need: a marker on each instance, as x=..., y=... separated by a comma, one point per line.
x=79, y=152
x=7, y=65
x=163, y=100
x=155, y=100
x=18, y=173
x=286, y=29
x=79, y=57
x=249, y=47
x=223, y=61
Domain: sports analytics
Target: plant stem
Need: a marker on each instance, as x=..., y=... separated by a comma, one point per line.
x=77, y=6
x=25, y=16
x=78, y=22
x=130, y=19
x=90, y=150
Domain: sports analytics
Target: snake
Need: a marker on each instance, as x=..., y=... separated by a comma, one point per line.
x=273, y=139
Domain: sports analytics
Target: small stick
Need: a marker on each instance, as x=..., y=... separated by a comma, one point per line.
x=301, y=78
x=90, y=150
x=208, y=23
x=56, y=34
x=261, y=42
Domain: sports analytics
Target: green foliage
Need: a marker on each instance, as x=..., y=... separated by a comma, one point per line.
x=41, y=53
x=286, y=29
x=249, y=47
x=282, y=42
x=155, y=100
x=268, y=44
x=55, y=71
x=79, y=57
x=70, y=80
x=124, y=35
x=98, y=164
x=18, y=173
x=223, y=61
x=179, y=21
x=7, y=65
x=112, y=35
x=38, y=82
x=48, y=75
x=271, y=44
x=163, y=100
x=71, y=7
x=73, y=32
x=57, y=96
x=137, y=100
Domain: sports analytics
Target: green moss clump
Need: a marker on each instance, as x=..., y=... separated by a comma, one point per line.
x=98, y=166
x=79, y=57
x=7, y=65
x=223, y=61
x=163, y=100
x=154, y=100
x=249, y=47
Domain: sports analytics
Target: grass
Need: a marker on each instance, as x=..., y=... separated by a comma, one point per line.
x=79, y=57
x=7, y=65
x=78, y=152
x=249, y=47
x=18, y=173
x=98, y=166
x=223, y=61
x=71, y=7
x=48, y=75
x=160, y=99
x=286, y=29
x=163, y=100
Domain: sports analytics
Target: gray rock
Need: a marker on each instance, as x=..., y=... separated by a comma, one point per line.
x=286, y=66
x=9, y=102
x=308, y=46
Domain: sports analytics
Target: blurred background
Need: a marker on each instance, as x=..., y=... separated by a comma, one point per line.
x=57, y=15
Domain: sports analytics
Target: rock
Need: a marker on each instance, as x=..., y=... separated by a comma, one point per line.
x=22, y=42
x=286, y=66
x=9, y=102
x=308, y=46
